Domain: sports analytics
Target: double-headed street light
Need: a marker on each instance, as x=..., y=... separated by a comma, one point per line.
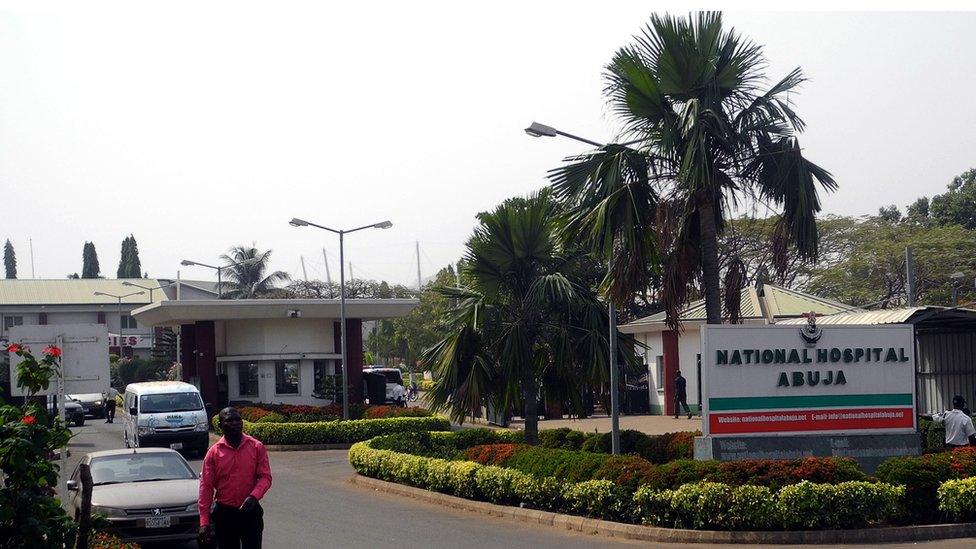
x=295, y=222
x=541, y=130
x=120, y=298
x=149, y=288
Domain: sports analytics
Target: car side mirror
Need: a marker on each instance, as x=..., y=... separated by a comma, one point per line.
x=72, y=485
x=132, y=411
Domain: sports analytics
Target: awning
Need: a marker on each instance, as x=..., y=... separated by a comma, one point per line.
x=172, y=313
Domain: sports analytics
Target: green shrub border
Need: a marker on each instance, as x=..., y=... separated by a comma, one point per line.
x=339, y=431
x=696, y=506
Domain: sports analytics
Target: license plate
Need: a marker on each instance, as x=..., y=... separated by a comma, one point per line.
x=158, y=522
x=176, y=446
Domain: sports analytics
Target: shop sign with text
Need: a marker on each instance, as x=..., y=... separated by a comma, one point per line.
x=768, y=380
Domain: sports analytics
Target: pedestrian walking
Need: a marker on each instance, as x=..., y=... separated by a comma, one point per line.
x=681, y=395
x=235, y=476
x=109, y=397
x=958, y=425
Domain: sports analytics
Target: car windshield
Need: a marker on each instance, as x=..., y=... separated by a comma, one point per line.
x=393, y=377
x=142, y=467
x=170, y=402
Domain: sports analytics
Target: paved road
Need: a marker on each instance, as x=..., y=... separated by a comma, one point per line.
x=312, y=504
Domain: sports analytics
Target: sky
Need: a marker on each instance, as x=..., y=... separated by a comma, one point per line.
x=199, y=126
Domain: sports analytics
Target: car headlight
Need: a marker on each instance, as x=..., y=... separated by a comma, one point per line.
x=193, y=508
x=98, y=403
x=143, y=430
x=107, y=511
x=201, y=427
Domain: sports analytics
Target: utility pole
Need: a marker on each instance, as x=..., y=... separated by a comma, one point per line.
x=304, y=273
x=910, y=276
x=420, y=285
x=30, y=243
x=351, y=276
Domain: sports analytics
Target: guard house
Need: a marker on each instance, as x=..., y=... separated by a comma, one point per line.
x=668, y=351
x=270, y=350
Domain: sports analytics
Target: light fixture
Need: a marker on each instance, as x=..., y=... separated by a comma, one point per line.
x=295, y=222
x=540, y=130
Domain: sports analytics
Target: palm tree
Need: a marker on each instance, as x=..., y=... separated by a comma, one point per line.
x=244, y=273
x=526, y=315
x=709, y=135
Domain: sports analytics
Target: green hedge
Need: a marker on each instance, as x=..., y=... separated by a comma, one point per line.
x=699, y=506
x=922, y=476
x=957, y=499
x=654, y=448
x=338, y=432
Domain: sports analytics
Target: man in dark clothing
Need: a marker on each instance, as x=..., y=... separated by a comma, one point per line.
x=681, y=395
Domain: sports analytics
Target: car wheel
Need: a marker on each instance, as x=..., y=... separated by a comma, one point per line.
x=80, y=421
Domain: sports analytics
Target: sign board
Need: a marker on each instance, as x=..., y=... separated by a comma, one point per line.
x=84, y=355
x=136, y=341
x=790, y=380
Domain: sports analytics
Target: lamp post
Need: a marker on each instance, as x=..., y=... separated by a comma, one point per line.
x=120, y=297
x=295, y=222
x=149, y=288
x=541, y=130
x=218, y=268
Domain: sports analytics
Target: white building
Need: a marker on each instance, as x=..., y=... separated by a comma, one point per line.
x=669, y=351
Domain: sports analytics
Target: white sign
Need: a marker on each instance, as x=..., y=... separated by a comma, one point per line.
x=84, y=359
x=136, y=341
x=770, y=380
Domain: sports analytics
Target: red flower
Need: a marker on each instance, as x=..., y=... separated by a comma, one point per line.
x=29, y=420
x=14, y=348
x=52, y=351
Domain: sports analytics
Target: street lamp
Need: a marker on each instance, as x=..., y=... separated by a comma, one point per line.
x=295, y=222
x=541, y=130
x=150, y=288
x=218, y=268
x=120, y=297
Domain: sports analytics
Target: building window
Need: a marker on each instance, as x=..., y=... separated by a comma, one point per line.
x=286, y=377
x=128, y=323
x=327, y=382
x=247, y=379
x=659, y=373
x=11, y=321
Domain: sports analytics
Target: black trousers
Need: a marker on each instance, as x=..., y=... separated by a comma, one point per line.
x=681, y=400
x=110, y=410
x=236, y=529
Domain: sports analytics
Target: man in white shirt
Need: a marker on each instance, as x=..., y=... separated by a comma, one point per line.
x=109, y=396
x=398, y=395
x=958, y=425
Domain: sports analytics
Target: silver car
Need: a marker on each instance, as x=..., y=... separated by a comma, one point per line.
x=146, y=494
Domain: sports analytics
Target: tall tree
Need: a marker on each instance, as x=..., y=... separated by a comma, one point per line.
x=525, y=322
x=708, y=135
x=9, y=260
x=129, y=264
x=245, y=274
x=89, y=262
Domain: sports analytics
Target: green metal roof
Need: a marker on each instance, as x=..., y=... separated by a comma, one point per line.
x=781, y=303
x=75, y=291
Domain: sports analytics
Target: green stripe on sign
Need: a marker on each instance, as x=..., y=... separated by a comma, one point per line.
x=813, y=401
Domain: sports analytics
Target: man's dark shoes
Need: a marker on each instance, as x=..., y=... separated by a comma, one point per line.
x=689, y=416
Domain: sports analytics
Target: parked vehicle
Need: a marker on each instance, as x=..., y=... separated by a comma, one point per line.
x=167, y=414
x=74, y=413
x=93, y=403
x=145, y=494
x=394, y=379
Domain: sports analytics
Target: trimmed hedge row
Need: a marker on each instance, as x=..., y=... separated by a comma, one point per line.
x=654, y=448
x=700, y=505
x=633, y=471
x=338, y=432
x=957, y=499
x=292, y=413
x=922, y=476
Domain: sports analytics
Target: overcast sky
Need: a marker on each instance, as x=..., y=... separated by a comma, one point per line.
x=197, y=126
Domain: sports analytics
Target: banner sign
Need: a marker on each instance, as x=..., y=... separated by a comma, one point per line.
x=136, y=341
x=770, y=380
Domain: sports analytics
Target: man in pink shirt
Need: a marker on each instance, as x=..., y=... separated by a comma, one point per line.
x=236, y=474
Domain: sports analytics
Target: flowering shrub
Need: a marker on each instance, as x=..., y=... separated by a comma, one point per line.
x=922, y=476
x=30, y=513
x=957, y=499
x=102, y=540
x=491, y=454
x=654, y=448
x=293, y=413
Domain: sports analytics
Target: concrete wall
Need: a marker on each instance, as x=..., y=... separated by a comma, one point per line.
x=278, y=335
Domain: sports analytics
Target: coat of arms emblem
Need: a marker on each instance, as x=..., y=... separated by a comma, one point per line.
x=811, y=332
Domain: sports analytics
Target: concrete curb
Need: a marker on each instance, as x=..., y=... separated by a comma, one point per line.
x=607, y=528
x=293, y=447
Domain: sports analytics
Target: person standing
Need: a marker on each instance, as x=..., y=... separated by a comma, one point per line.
x=681, y=395
x=958, y=425
x=235, y=476
x=109, y=397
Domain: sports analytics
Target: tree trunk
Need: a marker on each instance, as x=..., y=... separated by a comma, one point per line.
x=530, y=394
x=84, y=517
x=710, y=265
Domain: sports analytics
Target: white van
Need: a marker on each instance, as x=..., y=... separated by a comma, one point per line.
x=167, y=414
x=394, y=378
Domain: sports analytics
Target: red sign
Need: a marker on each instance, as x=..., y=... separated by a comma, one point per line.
x=846, y=419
